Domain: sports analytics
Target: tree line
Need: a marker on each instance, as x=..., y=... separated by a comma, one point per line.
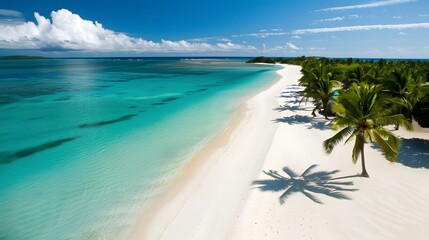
x=365, y=96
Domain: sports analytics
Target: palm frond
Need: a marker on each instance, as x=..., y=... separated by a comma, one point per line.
x=330, y=143
x=350, y=104
x=397, y=119
x=353, y=135
x=388, y=142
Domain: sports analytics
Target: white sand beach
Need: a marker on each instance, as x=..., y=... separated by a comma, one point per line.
x=251, y=181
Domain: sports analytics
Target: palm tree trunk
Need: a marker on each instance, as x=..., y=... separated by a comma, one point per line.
x=325, y=109
x=397, y=125
x=364, y=173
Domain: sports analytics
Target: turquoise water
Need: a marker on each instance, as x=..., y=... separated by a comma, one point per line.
x=86, y=144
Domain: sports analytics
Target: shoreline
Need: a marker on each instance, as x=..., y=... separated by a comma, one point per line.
x=201, y=162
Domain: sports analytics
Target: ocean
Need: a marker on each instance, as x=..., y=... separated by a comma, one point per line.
x=87, y=144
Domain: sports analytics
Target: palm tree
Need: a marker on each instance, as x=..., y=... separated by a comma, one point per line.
x=359, y=74
x=405, y=84
x=362, y=112
x=319, y=84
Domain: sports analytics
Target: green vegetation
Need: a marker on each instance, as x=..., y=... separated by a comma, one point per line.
x=421, y=111
x=362, y=112
x=319, y=84
x=262, y=59
x=365, y=96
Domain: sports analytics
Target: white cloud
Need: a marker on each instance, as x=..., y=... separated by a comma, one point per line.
x=423, y=15
x=397, y=17
x=69, y=31
x=402, y=33
x=291, y=46
x=10, y=13
x=288, y=47
x=13, y=21
x=207, y=39
x=10, y=17
x=260, y=34
x=341, y=18
x=296, y=37
x=224, y=40
x=231, y=46
x=368, y=5
x=362, y=28
x=398, y=49
x=332, y=19
x=316, y=48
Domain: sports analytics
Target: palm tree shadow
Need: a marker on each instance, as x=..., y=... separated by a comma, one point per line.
x=311, y=122
x=289, y=108
x=414, y=153
x=308, y=183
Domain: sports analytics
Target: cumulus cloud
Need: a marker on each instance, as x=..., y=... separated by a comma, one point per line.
x=362, y=28
x=296, y=37
x=368, y=5
x=232, y=46
x=68, y=31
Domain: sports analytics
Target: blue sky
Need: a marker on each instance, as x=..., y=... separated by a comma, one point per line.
x=336, y=28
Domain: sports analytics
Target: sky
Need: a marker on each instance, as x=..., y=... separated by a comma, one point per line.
x=330, y=28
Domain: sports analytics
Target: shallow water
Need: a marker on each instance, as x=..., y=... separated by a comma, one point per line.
x=86, y=144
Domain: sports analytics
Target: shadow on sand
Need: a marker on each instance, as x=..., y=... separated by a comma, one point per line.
x=316, y=123
x=414, y=152
x=308, y=183
x=289, y=108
